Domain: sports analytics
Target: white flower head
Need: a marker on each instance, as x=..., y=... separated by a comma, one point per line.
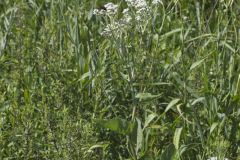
x=138, y=18
x=113, y=28
x=127, y=19
x=137, y=3
x=111, y=8
x=141, y=9
x=99, y=12
x=125, y=11
x=215, y=158
x=156, y=2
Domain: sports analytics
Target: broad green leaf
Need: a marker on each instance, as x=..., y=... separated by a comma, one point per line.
x=97, y=146
x=149, y=120
x=200, y=99
x=139, y=136
x=183, y=149
x=196, y=64
x=177, y=55
x=176, y=138
x=125, y=76
x=118, y=125
x=213, y=126
x=146, y=96
x=199, y=37
x=171, y=33
x=172, y=103
x=155, y=126
x=179, y=109
x=85, y=75
x=152, y=84
x=26, y=95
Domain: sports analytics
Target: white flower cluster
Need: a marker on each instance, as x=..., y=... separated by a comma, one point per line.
x=110, y=9
x=99, y=12
x=138, y=11
x=126, y=19
x=114, y=27
x=215, y=158
x=156, y=2
x=137, y=3
x=141, y=3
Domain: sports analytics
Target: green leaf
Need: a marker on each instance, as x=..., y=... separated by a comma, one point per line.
x=199, y=37
x=149, y=120
x=125, y=77
x=195, y=64
x=213, y=126
x=26, y=95
x=176, y=138
x=172, y=103
x=171, y=33
x=198, y=100
x=84, y=76
x=117, y=125
x=146, y=96
x=97, y=146
x=177, y=55
x=223, y=43
x=152, y=84
x=139, y=136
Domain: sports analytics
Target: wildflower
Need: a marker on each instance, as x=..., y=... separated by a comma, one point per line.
x=114, y=27
x=138, y=18
x=215, y=158
x=156, y=2
x=125, y=11
x=127, y=20
x=137, y=3
x=141, y=9
x=140, y=12
x=110, y=9
x=185, y=18
x=99, y=12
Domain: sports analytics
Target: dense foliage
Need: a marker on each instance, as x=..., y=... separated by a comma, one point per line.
x=128, y=80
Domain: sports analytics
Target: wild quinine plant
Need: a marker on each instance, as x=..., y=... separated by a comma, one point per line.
x=129, y=79
x=137, y=14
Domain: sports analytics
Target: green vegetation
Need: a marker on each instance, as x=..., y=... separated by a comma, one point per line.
x=159, y=81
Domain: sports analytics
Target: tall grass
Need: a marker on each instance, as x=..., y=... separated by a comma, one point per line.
x=160, y=83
